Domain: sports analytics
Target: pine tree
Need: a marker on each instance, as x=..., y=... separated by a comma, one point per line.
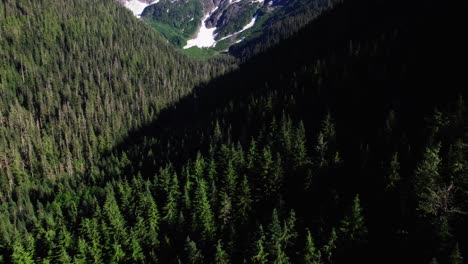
x=289, y=233
x=221, y=257
x=393, y=174
x=225, y=209
x=330, y=246
x=252, y=155
x=203, y=215
x=299, y=148
x=114, y=217
x=62, y=243
x=325, y=152
x=81, y=256
x=426, y=179
x=187, y=189
x=118, y=254
x=455, y=256
x=193, y=254
x=274, y=234
x=261, y=256
x=311, y=253
x=137, y=254
x=21, y=255
x=244, y=201
x=199, y=166
x=352, y=227
x=230, y=179
x=170, y=209
x=217, y=134
x=148, y=212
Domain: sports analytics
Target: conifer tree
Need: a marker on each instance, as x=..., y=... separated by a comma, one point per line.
x=252, y=155
x=455, y=256
x=225, y=209
x=21, y=255
x=426, y=179
x=170, y=209
x=393, y=174
x=221, y=257
x=353, y=227
x=244, y=200
x=203, y=215
x=311, y=253
x=330, y=246
x=81, y=256
x=299, y=148
x=193, y=254
x=261, y=254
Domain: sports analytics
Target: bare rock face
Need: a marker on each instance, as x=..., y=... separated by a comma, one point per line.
x=184, y=17
x=210, y=5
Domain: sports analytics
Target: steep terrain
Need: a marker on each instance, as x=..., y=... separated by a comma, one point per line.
x=358, y=138
x=217, y=25
x=73, y=81
x=347, y=149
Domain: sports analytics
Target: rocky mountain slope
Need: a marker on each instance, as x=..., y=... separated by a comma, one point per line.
x=220, y=24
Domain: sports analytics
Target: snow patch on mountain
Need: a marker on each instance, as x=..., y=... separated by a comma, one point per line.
x=205, y=37
x=137, y=6
x=249, y=25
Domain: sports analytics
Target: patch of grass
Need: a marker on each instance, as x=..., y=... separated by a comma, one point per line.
x=172, y=34
x=200, y=53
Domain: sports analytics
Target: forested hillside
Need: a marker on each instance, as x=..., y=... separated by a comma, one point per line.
x=349, y=148
x=75, y=79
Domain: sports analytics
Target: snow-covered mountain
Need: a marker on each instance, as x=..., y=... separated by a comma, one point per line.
x=220, y=24
x=201, y=23
x=137, y=6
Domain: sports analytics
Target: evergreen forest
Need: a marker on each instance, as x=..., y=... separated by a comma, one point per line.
x=342, y=140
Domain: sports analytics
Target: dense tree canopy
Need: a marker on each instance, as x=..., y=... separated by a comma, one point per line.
x=117, y=149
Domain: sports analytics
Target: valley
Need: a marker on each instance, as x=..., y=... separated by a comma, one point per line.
x=299, y=131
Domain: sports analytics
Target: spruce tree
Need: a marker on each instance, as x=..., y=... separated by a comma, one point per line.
x=393, y=173
x=221, y=257
x=202, y=213
x=311, y=253
x=193, y=254
x=170, y=209
x=330, y=246
x=426, y=178
x=353, y=227
x=455, y=256
x=261, y=254
x=244, y=201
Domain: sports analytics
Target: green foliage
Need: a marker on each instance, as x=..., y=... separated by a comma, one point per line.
x=393, y=174
x=202, y=213
x=22, y=254
x=221, y=257
x=426, y=179
x=261, y=256
x=311, y=253
x=455, y=256
x=197, y=184
x=194, y=256
x=353, y=227
x=330, y=246
x=176, y=20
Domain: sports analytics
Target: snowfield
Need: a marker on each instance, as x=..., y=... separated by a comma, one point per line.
x=205, y=37
x=137, y=7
